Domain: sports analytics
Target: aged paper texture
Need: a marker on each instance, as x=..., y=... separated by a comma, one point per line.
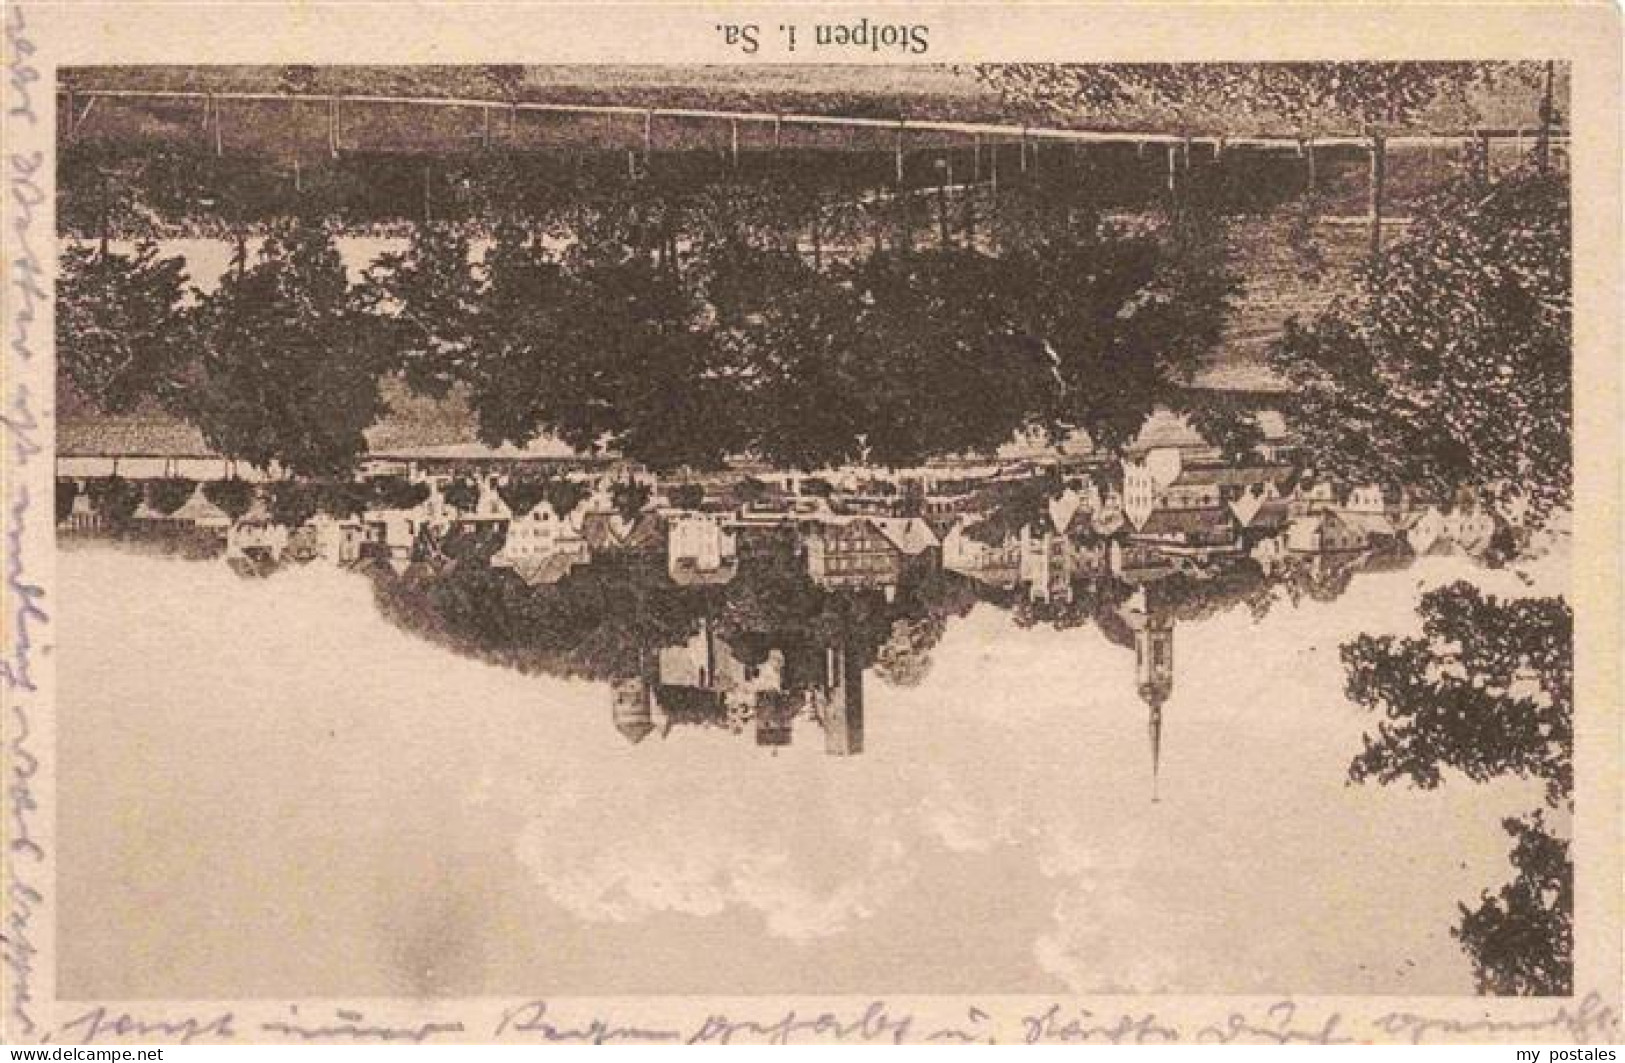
x=1062, y=523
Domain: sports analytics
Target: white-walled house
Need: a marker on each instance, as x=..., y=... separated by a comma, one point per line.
x=537, y=534
x=249, y=537
x=1426, y=531
x=700, y=550
x=1378, y=500
x=338, y=540
x=998, y=565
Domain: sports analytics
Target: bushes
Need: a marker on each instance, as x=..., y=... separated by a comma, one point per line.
x=233, y=496
x=396, y=492
x=170, y=494
x=522, y=493
x=687, y=496
x=66, y=491
x=629, y=498
x=294, y=501
x=114, y=499
x=564, y=496
x=461, y=494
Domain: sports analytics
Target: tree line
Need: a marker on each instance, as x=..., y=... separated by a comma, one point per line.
x=678, y=328
x=681, y=329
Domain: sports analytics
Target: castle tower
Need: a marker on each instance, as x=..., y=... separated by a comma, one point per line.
x=633, y=709
x=841, y=702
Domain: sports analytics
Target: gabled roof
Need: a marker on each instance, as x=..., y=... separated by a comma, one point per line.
x=910, y=535
x=1231, y=475
x=536, y=571
x=1186, y=521
x=1271, y=515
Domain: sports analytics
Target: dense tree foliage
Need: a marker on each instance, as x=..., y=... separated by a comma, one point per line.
x=428, y=296
x=564, y=495
x=461, y=494
x=293, y=502
x=114, y=498
x=121, y=330
x=67, y=491
x=1521, y=939
x=522, y=494
x=396, y=492
x=289, y=361
x=681, y=329
x=167, y=495
x=1452, y=367
x=1488, y=690
x=233, y=496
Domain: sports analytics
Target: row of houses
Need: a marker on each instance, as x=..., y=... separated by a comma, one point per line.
x=1207, y=510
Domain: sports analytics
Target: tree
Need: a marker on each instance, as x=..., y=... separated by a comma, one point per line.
x=233, y=496
x=461, y=494
x=1521, y=941
x=289, y=365
x=1488, y=691
x=114, y=499
x=167, y=495
x=67, y=490
x=564, y=495
x=687, y=496
x=427, y=297
x=397, y=492
x=1009, y=507
x=629, y=497
x=1452, y=368
x=796, y=343
x=522, y=493
x=1379, y=99
x=1124, y=320
x=293, y=502
x=343, y=499
x=121, y=328
x=944, y=369
x=521, y=315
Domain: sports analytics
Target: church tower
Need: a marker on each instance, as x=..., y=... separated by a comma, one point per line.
x=1153, y=668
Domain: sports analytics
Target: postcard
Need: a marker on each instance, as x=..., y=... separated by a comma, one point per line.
x=711, y=523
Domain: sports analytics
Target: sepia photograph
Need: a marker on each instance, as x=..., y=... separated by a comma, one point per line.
x=1047, y=530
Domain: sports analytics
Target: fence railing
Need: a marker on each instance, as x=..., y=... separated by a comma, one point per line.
x=81, y=109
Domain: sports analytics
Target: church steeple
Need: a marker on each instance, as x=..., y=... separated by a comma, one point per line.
x=1153, y=669
x=1155, y=728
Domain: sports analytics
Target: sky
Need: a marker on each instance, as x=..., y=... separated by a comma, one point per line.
x=268, y=791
